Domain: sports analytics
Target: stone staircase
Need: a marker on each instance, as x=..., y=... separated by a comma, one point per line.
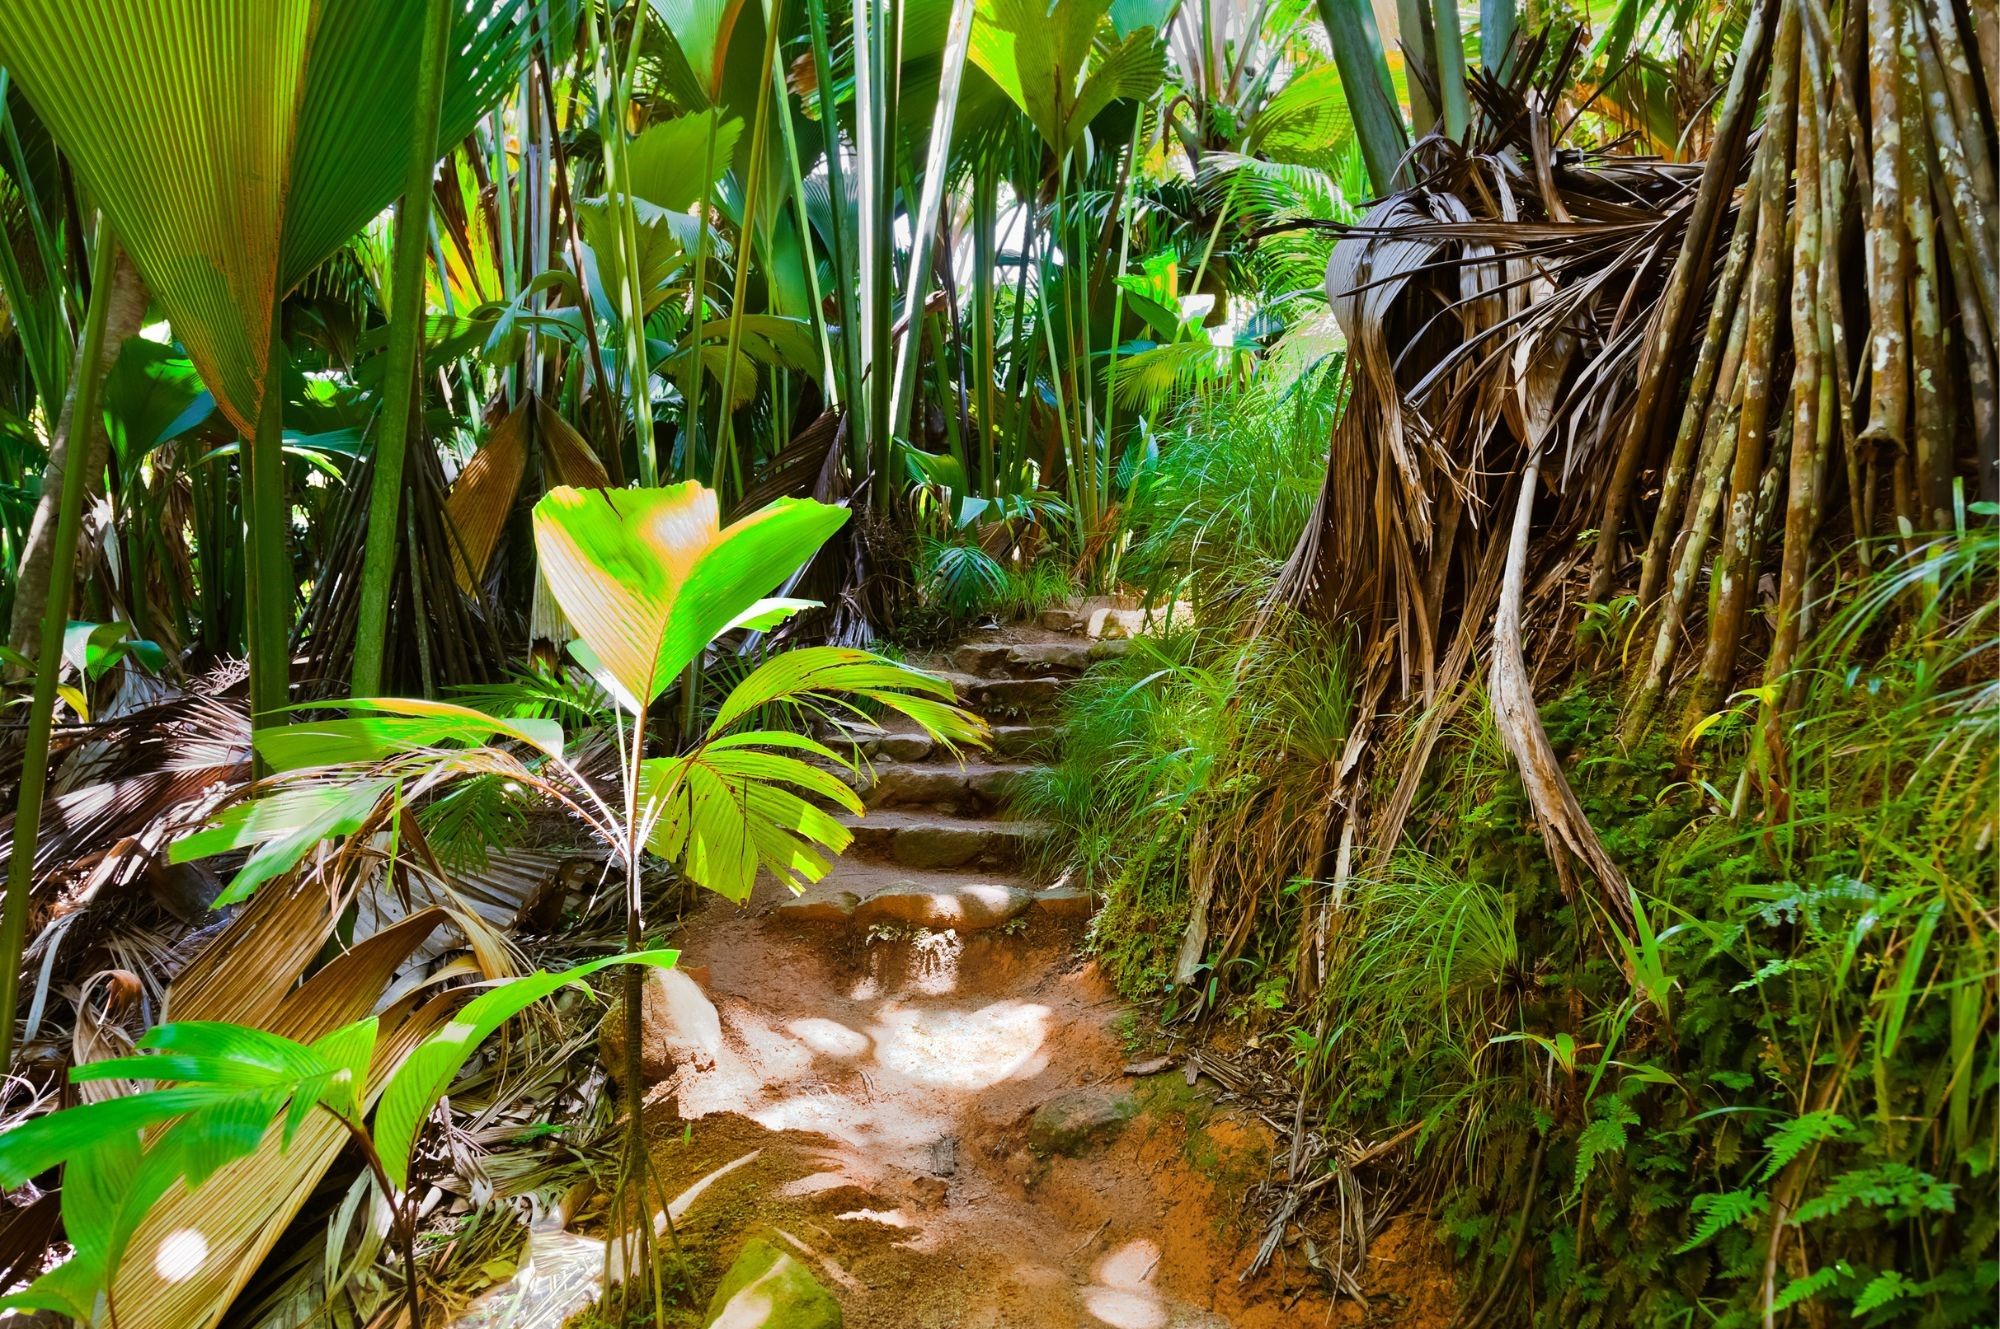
x=937, y=848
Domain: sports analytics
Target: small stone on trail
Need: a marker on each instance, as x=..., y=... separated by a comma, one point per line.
x=1063, y=902
x=1154, y=1066
x=767, y=1289
x=902, y=747
x=1073, y=1122
x=1060, y=620
x=678, y=1027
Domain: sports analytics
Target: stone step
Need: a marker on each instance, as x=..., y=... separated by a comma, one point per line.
x=874, y=895
x=1017, y=741
x=874, y=743
x=865, y=742
x=936, y=840
x=1033, y=659
x=1008, y=699
x=974, y=787
x=1102, y=617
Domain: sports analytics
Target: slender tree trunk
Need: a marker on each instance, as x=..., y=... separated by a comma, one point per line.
x=402, y=397
x=126, y=310
x=1735, y=572
x=1716, y=364
x=41, y=709
x=1659, y=369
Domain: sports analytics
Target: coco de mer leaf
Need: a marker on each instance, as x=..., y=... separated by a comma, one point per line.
x=234, y=147
x=648, y=577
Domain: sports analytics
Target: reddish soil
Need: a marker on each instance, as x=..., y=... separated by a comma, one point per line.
x=888, y=1086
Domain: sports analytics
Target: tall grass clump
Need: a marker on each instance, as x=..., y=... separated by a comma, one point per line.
x=1773, y=1099
x=1220, y=496
x=1200, y=756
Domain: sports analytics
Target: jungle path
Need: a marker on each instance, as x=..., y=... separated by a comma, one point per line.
x=915, y=1087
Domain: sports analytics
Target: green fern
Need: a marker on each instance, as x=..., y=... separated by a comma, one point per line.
x=1720, y=1212
x=1897, y=1187
x=1810, y=1285
x=1882, y=1289
x=472, y=819
x=1801, y=1133
x=1604, y=1136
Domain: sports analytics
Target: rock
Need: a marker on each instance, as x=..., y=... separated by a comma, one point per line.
x=837, y=907
x=980, y=657
x=942, y=846
x=1069, y=902
x=992, y=787
x=1116, y=621
x=898, y=785
x=678, y=1027
x=768, y=1289
x=937, y=840
x=901, y=746
x=1035, y=658
x=1016, y=696
x=1061, y=620
x=967, y=908
x=1073, y=1122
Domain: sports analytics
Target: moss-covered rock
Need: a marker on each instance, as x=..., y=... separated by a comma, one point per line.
x=768, y=1289
x=1072, y=1123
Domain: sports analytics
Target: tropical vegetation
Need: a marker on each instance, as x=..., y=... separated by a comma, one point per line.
x=1559, y=442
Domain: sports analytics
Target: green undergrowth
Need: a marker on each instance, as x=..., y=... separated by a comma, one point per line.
x=960, y=583
x=1777, y=1084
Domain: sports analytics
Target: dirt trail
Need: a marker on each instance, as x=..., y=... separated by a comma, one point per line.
x=920, y=1089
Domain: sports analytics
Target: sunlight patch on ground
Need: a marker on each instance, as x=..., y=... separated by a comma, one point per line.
x=960, y=1049
x=1123, y=1295
x=830, y=1037
x=886, y=1217
x=1125, y=1310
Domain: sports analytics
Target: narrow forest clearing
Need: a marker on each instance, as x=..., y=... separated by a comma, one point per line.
x=916, y=1086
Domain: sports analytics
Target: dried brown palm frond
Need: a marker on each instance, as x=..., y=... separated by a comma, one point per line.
x=1550, y=348
x=1494, y=314
x=438, y=635
x=811, y=466
x=487, y=492
x=105, y=895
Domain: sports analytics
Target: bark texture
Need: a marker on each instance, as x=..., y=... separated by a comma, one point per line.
x=123, y=318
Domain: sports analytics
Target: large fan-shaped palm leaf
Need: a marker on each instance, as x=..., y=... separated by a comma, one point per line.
x=236, y=147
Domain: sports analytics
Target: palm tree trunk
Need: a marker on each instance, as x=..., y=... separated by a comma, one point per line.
x=85, y=401
x=125, y=310
x=401, y=392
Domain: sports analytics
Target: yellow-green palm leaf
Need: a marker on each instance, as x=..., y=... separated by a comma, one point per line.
x=235, y=146
x=648, y=577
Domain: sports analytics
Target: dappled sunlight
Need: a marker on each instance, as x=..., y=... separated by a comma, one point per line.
x=1125, y=1310
x=886, y=1217
x=748, y=1309
x=776, y=1056
x=180, y=1254
x=964, y=1050
x=1130, y=1266
x=830, y=1037
x=1123, y=1295
x=815, y=1183
x=935, y=960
